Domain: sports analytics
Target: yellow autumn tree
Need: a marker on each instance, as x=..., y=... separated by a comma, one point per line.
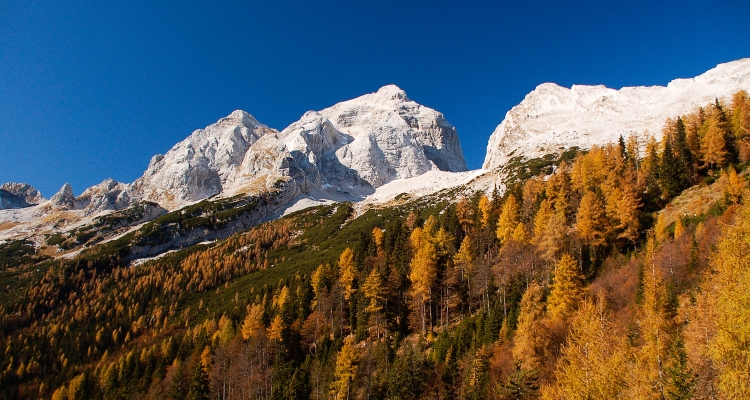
x=649, y=377
x=464, y=258
x=374, y=290
x=531, y=339
x=422, y=276
x=567, y=289
x=593, y=361
x=734, y=186
x=465, y=214
x=253, y=322
x=485, y=209
x=551, y=239
x=508, y=219
x=591, y=220
x=730, y=285
x=377, y=237
x=276, y=329
x=346, y=370
x=714, y=145
x=661, y=234
x=679, y=228
x=347, y=274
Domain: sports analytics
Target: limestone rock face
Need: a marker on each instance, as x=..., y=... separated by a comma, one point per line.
x=348, y=149
x=24, y=191
x=553, y=117
x=108, y=195
x=202, y=164
x=391, y=137
x=63, y=199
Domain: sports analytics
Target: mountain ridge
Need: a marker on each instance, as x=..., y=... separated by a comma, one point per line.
x=552, y=116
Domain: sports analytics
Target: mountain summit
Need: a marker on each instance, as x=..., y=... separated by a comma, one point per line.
x=553, y=117
x=347, y=149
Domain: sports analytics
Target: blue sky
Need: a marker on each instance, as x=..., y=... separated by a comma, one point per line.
x=92, y=89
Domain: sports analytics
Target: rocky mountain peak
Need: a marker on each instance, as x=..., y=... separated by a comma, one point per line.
x=552, y=117
x=64, y=198
x=392, y=92
x=24, y=191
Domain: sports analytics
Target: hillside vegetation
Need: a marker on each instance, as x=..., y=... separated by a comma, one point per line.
x=613, y=273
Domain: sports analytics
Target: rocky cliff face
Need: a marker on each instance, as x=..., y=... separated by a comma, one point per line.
x=348, y=149
x=553, y=117
x=201, y=165
x=18, y=195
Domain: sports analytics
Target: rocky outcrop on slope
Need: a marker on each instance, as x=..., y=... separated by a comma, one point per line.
x=63, y=199
x=553, y=117
x=10, y=201
x=24, y=191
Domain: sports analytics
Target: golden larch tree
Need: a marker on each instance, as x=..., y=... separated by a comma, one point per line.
x=593, y=361
x=347, y=274
x=567, y=289
x=253, y=323
x=591, y=223
x=422, y=276
x=508, y=219
x=485, y=209
x=346, y=370
x=531, y=339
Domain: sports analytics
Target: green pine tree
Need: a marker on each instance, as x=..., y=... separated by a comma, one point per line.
x=669, y=174
x=521, y=384
x=681, y=378
x=725, y=126
x=684, y=164
x=199, y=385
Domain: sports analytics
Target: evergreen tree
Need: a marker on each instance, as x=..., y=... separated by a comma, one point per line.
x=407, y=376
x=668, y=170
x=521, y=384
x=684, y=164
x=652, y=163
x=681, y=378
x=623, y=149
x=178, y=388
x=725, y=127
x=199, y=388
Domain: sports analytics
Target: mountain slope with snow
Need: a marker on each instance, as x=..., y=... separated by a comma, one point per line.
x=553, y=117
x=348, y=149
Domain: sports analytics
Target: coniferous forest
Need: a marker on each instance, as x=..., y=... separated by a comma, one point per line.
x=621, y=271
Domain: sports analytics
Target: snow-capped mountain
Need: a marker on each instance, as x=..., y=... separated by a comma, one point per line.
x=342, y=152
x=552, y=117
x=348, y=150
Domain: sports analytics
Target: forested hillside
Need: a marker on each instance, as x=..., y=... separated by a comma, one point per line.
x=624, y=272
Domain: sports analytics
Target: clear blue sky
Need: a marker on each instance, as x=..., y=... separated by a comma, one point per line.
x=92, y=89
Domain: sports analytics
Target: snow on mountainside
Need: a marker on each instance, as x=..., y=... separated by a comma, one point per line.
x=551, y=116
x=347, y=150
x=203, y=164
x=344, y=152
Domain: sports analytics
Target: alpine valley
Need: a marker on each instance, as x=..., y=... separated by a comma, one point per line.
x=601, y=252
